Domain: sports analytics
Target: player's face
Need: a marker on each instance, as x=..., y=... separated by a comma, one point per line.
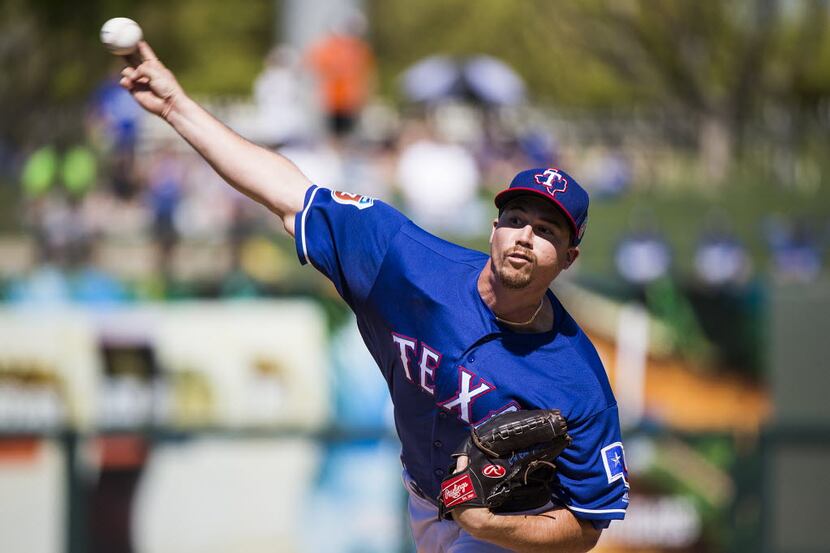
x=530, y=243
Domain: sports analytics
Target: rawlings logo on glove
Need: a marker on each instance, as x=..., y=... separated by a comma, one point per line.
x=510, y=463
x=455, y=491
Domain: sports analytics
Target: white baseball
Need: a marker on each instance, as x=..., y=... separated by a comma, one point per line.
x=121, y=35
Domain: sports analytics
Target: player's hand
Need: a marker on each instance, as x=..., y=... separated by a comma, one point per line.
x=461, y=463
x=153, y=86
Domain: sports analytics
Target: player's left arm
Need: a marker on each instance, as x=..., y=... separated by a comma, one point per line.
x=554, y=530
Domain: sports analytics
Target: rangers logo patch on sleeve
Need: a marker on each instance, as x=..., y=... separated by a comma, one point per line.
x=347, y=198
x=613, y=457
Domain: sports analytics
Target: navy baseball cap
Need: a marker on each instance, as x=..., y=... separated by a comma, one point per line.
x=556, y=186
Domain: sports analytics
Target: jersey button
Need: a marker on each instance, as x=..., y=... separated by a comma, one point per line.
x=439, y=472
x=471, y=359
x=437, y=444
x=442, y=415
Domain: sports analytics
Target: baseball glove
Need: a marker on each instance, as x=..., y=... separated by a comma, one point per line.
x=510, y=463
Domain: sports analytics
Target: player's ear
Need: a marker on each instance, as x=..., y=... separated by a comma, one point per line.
x=493, y=230
x=572, y=254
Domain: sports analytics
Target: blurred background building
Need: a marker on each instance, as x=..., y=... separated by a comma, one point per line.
x=172, y=380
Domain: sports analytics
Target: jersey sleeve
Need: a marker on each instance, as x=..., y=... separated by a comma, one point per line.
x=593, y=477
x=345, y=236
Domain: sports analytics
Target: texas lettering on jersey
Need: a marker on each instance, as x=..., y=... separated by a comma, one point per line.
x=420, y=363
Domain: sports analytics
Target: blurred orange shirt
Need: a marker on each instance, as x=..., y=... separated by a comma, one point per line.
x=345, y=66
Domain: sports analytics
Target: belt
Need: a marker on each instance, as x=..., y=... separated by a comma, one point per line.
x=416, y=489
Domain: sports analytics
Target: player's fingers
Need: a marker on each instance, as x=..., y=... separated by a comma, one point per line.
x=146, y=71
x=146, y=52
x=129, y=77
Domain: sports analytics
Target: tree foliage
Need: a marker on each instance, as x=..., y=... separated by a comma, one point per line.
x=721, y=67
x=611, y=52
x=717, y=66
x=529, y=35
x=51, y=57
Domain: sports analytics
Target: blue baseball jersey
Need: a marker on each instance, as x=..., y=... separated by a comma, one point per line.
x=447, y=361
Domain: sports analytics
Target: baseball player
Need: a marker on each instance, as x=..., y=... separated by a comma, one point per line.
x=459, y=336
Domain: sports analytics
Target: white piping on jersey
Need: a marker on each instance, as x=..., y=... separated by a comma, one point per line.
x=302, y=221
x=580, y=510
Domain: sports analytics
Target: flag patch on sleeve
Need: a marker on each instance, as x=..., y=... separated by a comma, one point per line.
x=613, y=457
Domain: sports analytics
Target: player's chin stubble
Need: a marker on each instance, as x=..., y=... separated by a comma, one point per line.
x=511, y=277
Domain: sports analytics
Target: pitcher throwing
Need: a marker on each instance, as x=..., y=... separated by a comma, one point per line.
x=460, y=337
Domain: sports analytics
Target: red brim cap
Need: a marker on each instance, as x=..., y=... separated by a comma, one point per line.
x=557, y=187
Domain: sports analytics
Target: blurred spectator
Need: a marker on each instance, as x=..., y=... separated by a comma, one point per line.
x=45, y=286
x=165, y=181
x=508, y=151
x=122, y=178
x=540, y=147
x=65, y=271
x=238, y=283
x=57, y=222
x=79, y=170
x=458, y=123
x=206, y=206
x=500, y=159
x=720, y=258
x=482, y=80
x=607, y=173
x=439, y=183
x=493, y=82
x=40, y=171
x=88, y=283
x=8, y=159
x=795, y=252
x=107, y=215
x=46, y=169
x=643, y=255
x=113, y=117
x=430, y=80
x=370, y=169
x=112, y=123
x=319, y=161
x=344, y=65
x=278, y=94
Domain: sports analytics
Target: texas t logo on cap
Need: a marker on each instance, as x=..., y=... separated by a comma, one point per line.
x=553, y=180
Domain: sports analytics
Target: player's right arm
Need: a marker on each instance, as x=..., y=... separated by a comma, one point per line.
x=260, y=174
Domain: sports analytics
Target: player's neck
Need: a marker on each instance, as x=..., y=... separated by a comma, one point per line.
x=518, y=309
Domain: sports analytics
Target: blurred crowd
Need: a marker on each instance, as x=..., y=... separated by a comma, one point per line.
x=130, y=212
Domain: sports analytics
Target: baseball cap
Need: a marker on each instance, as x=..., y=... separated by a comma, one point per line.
x=556, y=186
